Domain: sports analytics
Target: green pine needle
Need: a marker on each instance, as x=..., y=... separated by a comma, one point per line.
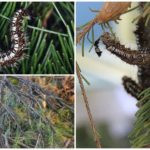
x=140, y=136
x=41, y=60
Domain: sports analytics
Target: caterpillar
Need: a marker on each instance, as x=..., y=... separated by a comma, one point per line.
x=140, y=58
x=18, y=40
x=133, y=57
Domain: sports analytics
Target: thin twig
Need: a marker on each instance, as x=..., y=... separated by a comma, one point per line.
x=95, y=133
x=38, y=140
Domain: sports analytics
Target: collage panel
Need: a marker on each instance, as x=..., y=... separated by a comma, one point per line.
x=37, y=37
x=37, y=111
x=74, y=74
x=113, y=71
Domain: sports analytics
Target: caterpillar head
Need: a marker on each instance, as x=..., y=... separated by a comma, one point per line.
x=97, y=49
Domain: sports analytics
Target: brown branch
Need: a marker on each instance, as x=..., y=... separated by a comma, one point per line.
x=95, y=133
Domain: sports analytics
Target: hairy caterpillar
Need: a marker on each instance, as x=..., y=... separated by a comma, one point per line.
x=18, y=40
x=133, y=57
x=141, y=58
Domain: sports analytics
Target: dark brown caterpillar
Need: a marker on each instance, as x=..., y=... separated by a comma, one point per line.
x=133, y=57
x=18, y=41
x=141, y=58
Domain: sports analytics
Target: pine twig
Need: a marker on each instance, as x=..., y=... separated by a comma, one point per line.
x=37, y=28
x=95, y=133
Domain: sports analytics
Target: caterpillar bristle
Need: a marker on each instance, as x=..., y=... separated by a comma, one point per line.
x=19, y=42
x=142, y=35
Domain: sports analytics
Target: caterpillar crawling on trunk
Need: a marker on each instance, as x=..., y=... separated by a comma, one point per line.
x=18, y=40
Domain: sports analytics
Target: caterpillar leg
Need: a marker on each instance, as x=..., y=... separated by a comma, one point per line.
x=133, y=57
x=131, y=87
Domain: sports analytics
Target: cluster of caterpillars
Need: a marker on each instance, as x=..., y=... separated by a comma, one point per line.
x=18, y=41
x=140, y=57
